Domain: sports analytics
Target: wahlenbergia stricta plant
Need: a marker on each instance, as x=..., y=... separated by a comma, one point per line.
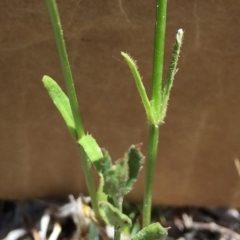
x=117, y=179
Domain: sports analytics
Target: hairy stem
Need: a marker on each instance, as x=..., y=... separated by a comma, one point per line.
x=151, y=159
x=161, y=9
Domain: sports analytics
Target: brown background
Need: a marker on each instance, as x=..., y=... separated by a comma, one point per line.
x=200, y=139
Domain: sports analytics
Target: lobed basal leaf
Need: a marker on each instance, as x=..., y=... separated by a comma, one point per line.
x=153, y=231
x=112, y=216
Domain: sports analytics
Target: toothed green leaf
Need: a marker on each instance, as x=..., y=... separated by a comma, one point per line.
x=106, y=163
x=61, y=101
x=135, y=162
x=153, y=231
x=120, y=177
x=115, y=179
x=113, y=216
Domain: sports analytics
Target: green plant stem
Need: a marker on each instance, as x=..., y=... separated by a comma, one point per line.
x=90, y=182
x=117, y=234
x=151, y=159
x=62, y=52
x=161, y=9
x=59, y=39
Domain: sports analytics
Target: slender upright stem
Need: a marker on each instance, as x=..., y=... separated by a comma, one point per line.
x=90, y=182
x=117, y=234
x=151, y=159
x=161, y=9
x=62, y=52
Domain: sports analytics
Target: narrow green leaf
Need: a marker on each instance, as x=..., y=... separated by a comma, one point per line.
x=113, y=216
x=92, y=150
x=141, y=89
x=171, y=73
x=153, y=231
x=61, y=101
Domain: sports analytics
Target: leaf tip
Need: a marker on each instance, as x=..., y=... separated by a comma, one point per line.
x=179, y=36
x=45, y=77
